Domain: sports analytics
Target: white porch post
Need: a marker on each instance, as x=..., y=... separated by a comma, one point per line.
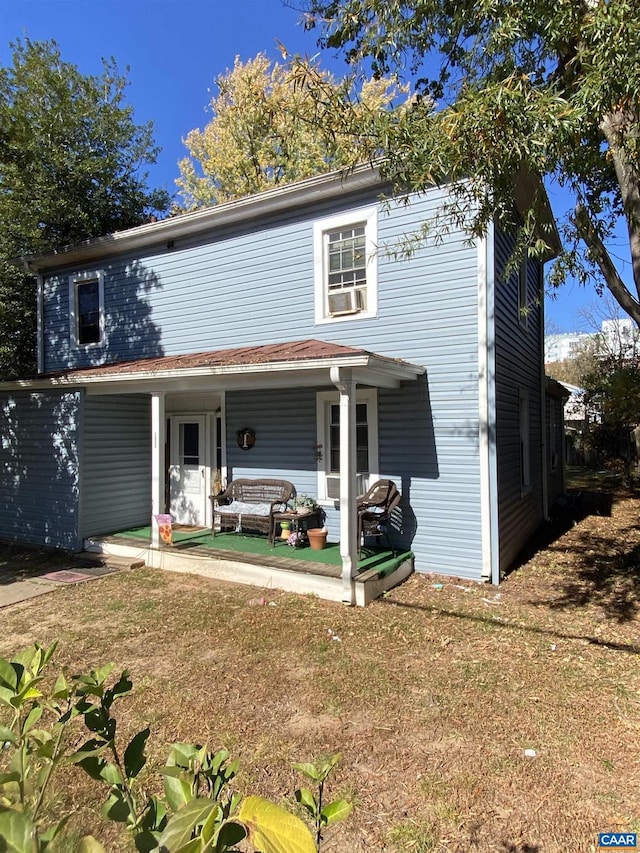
x=157, y=462
x=346, y=385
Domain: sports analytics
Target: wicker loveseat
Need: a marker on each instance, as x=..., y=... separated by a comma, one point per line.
x=249, y=505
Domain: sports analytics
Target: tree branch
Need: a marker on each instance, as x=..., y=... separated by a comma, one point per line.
x=588, y=232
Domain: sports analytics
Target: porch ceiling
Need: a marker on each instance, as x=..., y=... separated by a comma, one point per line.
x=296, y=363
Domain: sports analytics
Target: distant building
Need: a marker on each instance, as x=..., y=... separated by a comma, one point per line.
x=616, y=335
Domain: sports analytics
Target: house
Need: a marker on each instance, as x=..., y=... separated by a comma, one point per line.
x=284, y=314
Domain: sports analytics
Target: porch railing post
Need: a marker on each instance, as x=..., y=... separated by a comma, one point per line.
x=346, y=385
x=157, y=462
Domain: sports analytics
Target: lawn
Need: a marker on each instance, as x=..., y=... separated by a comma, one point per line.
x=432, y=695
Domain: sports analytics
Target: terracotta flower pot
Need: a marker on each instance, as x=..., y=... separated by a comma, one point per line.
x=317, y=538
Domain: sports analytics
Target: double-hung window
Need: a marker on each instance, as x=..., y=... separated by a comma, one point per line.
x=345, y=266
x=329, y=442
x=86, y=303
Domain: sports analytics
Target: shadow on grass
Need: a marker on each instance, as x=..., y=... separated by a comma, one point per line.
x=606, y=573
x=499, y=622
x=605, y=569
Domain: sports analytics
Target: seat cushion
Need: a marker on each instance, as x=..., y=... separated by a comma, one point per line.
x=244, y=508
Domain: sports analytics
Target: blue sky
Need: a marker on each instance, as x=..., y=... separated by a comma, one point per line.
x=174, y=50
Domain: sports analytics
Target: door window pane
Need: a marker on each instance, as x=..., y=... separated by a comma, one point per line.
x=190, y=443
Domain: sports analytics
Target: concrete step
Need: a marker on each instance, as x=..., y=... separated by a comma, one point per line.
x=93, y=558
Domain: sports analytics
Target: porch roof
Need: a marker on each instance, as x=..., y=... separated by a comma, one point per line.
x=305, y=362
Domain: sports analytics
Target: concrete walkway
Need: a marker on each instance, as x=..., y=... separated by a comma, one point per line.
x=21, y=586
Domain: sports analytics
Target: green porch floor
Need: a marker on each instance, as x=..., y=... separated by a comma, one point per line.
x=383, y=561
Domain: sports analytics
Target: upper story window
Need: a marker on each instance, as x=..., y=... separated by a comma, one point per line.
x=345, y=266
x=86, y=304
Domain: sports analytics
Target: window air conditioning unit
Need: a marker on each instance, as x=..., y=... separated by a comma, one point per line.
x=345, y=302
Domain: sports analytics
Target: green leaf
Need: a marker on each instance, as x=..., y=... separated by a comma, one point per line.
x=306, y=798
x=13, y=776
x=6, y=735
x=146, y=841
x=309, y=770
x=230, y=834
x=53, y=831
x=32, y=718
x=116, y=807
x=16, y=832
x=333, y=812
x=89, y=844
x=180, y=827
x=61, y=690
x=272, y=829
x=8, y=675
x=134, y=757
x=6, y=695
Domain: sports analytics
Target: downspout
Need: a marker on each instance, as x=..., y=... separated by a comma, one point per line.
x=346, y=385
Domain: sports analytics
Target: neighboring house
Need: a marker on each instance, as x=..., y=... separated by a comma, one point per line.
x=283, y=313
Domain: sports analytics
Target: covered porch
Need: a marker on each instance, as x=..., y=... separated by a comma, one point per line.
x=250, y=559
x=189, y=411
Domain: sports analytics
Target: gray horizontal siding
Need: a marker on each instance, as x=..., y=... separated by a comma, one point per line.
x=116, y=464
x=518, y=365
x=39, y=469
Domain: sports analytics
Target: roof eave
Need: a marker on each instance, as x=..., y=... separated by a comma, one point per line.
x=270, y=201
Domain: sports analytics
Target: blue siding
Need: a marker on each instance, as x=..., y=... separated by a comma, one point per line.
x=39, y=468
x=518, y=366
x=255, y=286
x=116, y=464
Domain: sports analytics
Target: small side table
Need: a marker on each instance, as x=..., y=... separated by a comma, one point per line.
x=298, y=521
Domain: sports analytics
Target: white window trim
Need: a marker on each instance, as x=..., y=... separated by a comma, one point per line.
x=524, y=440
x=323, y=400
x=74, y=280
x=368, y=216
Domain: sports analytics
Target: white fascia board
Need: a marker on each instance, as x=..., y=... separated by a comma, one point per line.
x=372, y=371
x=270, y=201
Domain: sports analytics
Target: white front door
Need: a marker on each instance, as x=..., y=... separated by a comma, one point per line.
x=187, y=470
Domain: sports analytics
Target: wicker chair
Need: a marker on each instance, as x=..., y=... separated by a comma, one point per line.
x=374, y=510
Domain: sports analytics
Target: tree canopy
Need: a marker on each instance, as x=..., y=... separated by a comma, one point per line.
x=548, y=87
x=270, y=125
x=71, y=167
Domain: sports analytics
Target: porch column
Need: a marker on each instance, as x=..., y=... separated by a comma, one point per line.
x=158, y=422
x=346, y=385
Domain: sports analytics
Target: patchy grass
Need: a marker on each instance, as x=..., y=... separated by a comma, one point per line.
x=432, y=695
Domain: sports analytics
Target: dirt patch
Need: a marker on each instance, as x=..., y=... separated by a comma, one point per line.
x=468, y=717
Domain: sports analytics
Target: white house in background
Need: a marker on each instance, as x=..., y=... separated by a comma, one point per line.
x=617, y=335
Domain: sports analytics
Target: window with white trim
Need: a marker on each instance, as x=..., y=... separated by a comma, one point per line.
x=345, y=266
x=525, y=449
x=86, y=309
x=328, y=429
